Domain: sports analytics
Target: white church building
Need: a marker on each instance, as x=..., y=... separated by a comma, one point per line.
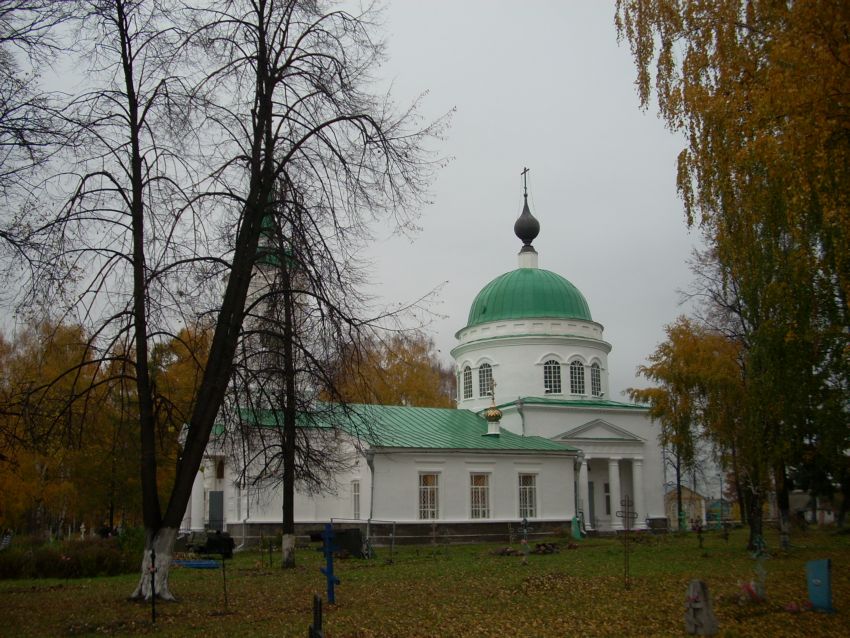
x=534, y=436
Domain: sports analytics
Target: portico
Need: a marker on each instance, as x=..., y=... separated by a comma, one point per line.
x=618, y=477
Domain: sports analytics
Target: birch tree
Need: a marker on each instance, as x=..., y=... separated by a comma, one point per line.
x=757, y=89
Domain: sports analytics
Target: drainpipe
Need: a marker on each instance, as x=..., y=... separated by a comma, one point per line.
x=243, y=489
x=519, y=405
x=370, y=461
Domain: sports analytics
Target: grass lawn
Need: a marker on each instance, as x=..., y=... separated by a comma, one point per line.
x=458, y=590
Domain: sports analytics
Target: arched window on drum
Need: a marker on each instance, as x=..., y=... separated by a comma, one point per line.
x=577, y=377
x=595, y=379
x=552, y=377
x=485, y=380
x=467, y=382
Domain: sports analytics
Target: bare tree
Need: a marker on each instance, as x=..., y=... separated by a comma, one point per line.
x=257, y=94
x=30, y=129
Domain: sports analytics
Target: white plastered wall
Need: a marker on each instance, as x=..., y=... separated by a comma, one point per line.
x=397, y=484
x=517, y=354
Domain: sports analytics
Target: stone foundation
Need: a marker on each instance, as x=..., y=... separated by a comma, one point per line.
x=406, y=533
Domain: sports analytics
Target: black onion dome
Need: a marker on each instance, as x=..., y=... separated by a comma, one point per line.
x=526, y=226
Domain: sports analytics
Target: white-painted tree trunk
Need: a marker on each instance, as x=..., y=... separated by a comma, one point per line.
x=288, y=550
x=163, y=545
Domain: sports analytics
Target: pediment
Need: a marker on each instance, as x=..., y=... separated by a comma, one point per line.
x=598, y=430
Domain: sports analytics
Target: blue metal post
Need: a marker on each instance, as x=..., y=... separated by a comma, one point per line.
x=329, y=548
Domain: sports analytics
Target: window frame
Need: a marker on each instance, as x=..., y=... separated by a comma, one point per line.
x=527, y=495
x=355, y=499
x=485, y=379
x=552, y=377
x=577, y=381
x=429, y=497
x=595, y=379
x=479, y=508
x=467, y=382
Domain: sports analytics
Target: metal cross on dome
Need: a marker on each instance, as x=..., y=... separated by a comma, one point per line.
x=524, y=181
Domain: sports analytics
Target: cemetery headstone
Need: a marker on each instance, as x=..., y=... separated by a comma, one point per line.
x=819, y=579
x=575, y=529
x=699, y=616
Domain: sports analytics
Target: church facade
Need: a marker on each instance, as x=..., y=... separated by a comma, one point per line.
x=534, y=436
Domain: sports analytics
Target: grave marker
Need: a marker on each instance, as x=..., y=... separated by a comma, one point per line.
x=699, y=616
x=524, y=529
x=628, y=515
x=329, y=548
x=819, y=579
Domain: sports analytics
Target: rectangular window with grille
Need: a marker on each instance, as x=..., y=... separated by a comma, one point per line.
x=479, y=492
x=527, y=495
x=355, y=499
x=429, y=496
x=607, y=499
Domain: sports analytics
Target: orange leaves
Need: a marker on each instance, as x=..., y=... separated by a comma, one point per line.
x=401, y=370
x=760, y=90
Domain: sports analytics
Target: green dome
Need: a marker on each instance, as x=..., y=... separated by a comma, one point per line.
x=528, y=293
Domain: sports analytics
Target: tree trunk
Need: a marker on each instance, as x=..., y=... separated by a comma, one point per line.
x=783, y=504
x=739, y=492
x=754, y=503
x=162, y=543
x=289, y=417
x=287, y=546
x=680, y=515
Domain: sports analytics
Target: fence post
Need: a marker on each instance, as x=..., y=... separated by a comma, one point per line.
x=316, y=630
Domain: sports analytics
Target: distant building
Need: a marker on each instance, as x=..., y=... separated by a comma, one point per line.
x=693, y=506
x=819, y=510
x=534, y=435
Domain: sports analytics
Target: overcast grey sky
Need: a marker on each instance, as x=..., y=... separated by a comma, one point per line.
x=544, y=85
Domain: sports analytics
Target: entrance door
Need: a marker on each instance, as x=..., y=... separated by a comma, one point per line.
x=591, y=506
x=216, y=510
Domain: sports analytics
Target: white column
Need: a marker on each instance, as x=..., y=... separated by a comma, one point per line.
x=583, y=492
x=614, y=491
x=637, y=489
x=197, y=504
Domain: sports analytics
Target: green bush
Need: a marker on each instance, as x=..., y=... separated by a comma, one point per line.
x=132, y=541
x=13, y=563
x=71, y=559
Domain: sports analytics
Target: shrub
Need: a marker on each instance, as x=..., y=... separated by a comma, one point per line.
x=13, y=563
x=132, y=541
x=70, y=559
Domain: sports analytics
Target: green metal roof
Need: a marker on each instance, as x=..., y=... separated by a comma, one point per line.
x=441, y=428
x=528, y=293
x=415, y=428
